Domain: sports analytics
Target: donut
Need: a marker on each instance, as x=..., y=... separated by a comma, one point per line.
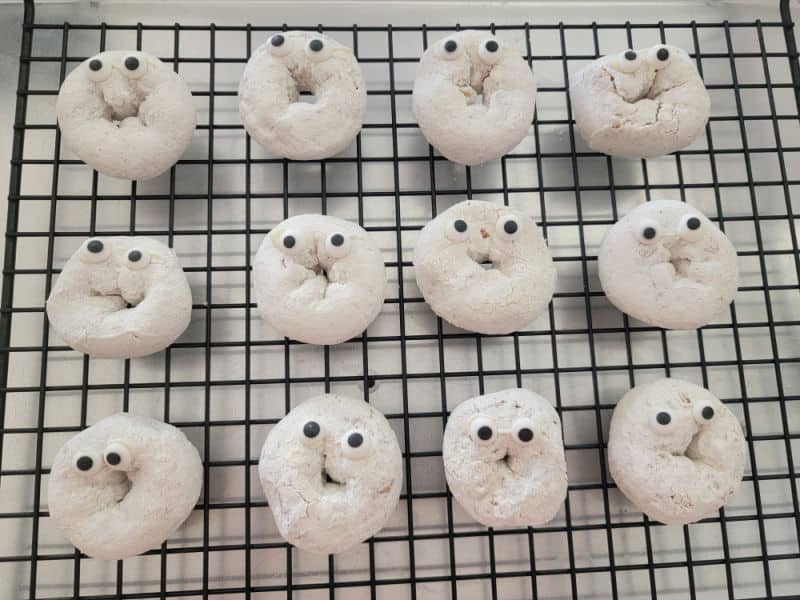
x=298, y=61
x=332, y=471
x=675, y=451
x=123, y=486
x=640, y=103
x=473, y=97
x=666, y=264
x=450, y=257
x=120, y=297
x=126, y=114
x=318, y=279
x=504, y=458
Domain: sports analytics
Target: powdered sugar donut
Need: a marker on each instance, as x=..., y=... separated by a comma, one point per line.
x=473, y=97
x=124, y=485
x=640, y=103
x=504, y=458
x=299, y=61
x=318, y=279
x=666, y=264
x=332, y=472
x=675, y=451
x=89, y=304
x=448, y=264
x=126, y=114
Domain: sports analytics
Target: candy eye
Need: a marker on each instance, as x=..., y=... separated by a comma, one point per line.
x=355, y=445
x=98, y=69
x=137, y=259
x=690, y=228
x=659, y=56
x=118, y=456
x=481, y=430
x=94, y=251
x=449, y=49
x=490, y=51
x=87, y=463
x=647, y=231
x=278, y=45
x=337, y=245
x=134, y=66
x=522, y=430
x=317, y=50
x=629, y=61
x=661, y=421
x=457, y=230
x=312, y=433
x=508, y=227
x=290, y=242
x=704, y=413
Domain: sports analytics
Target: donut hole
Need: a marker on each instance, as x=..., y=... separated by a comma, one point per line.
x=306, y=97
x=327, y=480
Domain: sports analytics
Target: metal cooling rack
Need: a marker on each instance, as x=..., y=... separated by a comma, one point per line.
x=230, y=377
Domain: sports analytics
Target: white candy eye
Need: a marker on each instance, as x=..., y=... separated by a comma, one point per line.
x=690, y=227
x=629, y=61
x=94, y=251
x=659, y=56
x=317, y=50
x=449, y=49
x=98, y=69
x=134, y=65
x=87, y=463
x=662, y=421
x=312, y=433
x=704, y=413
x=355, y=445
x=490, y=51
x=290, y=242
x=137, y=259
x=507, y=227
x=337, y=245
x=118, y=456
x=481, y=430
x=522, y=430
x=647, y=231
x=457, y=230
x=278, y=45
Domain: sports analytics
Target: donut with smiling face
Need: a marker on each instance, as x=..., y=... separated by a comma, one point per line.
x=484, y=267
x=667, y=264
x=126, y=114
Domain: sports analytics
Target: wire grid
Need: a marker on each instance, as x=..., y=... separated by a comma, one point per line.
x=229, y=378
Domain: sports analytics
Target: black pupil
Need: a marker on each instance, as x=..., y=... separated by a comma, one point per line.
x=315, y=45
x=113, y=458
x=510, y=226
x=131, y=63
x=525, y=435
x=630, y=55
x=649, y=233
x=460, y=225
x=663, y=418
x=337, y=239
x=85, y=463
x=693, y=223
x=95, y=246
x=354, y=440
x=708, y=412
x=311, y=429
x=450, y=45
x=492, y=46
x=289, y=241
x=95, y=64
x=277, y=40
x=135, y=255
x=485, y=432
x=662, y=54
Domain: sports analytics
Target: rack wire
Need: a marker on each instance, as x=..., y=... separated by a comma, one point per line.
x=230, y=377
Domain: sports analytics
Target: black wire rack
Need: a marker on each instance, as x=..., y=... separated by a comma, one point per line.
x=229, y=378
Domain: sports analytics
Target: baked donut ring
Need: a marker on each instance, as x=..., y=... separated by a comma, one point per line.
x=299, y=61
x=473, y=97
x=640, y=103
x=504, y=458
x=675, y=451
x=126, y=114
x=449, y=262
x=120, y=297
x=332, y=472
x=318, y=279
x=123, y=486
x=666, y=264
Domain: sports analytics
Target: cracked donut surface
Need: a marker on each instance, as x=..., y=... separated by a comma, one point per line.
x=123, y=486
x=473, y=97
x=126, y=114
x=120, y=297
x=332, y=471
x=318, y=279
x=675, y=450
x=504, y=458
x=484, y=267
x=667, y=264
x=640, y=103
x=287, y=64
